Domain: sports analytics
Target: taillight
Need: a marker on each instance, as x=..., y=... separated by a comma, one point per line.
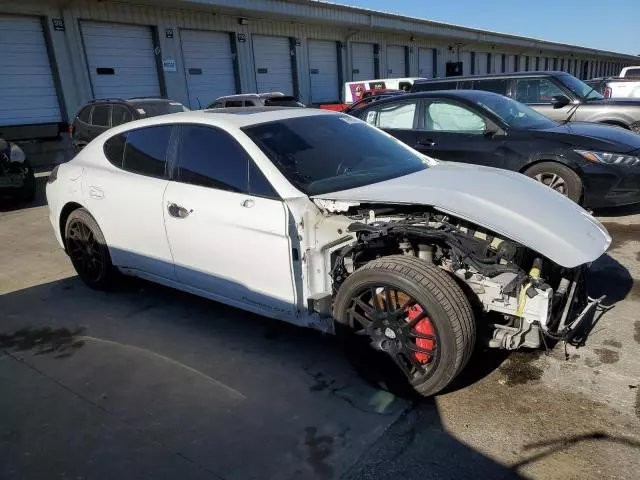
x=607, y=92
x=71, y=129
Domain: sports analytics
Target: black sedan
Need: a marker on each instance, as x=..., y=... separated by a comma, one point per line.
x=595, y=165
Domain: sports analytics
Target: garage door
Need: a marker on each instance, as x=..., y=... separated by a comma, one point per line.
x=481, y=63
x=396, y=65
x=465, y=58
x=323, y=71
x=425, y=62
x=28, y=94
x=362, y=64
x=121, y=60
x=272, y=59
x=511, y=63
x=208, y=65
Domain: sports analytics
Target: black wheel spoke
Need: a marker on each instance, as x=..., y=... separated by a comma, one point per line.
x=361, y=333
x=424, y=336
x=361, y=319
x=416, y=364
x=366, y=308
x=399, y=359
x=414, y=321
x=415, y=348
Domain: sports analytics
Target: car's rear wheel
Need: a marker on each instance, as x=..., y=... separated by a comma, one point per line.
x=413, y=313
x=88, y=250
x=557, y=177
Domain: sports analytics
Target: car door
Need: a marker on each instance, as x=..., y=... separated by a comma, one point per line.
x=100, y=120
x=227, y=227
x=396, y=118
x=538, y=93
x=127, y=201
x=452, y=131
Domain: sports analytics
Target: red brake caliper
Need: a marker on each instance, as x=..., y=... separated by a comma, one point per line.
x=423, y=326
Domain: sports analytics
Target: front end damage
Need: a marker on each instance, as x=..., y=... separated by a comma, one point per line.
x=527, y=299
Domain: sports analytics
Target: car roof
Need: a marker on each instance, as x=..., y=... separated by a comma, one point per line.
x=237, y=117
x=451, y=94
x=133, y=101
x=251, y=95
x=493, y=75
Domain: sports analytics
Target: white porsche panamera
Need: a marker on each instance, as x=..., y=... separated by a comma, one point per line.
x=319, y=219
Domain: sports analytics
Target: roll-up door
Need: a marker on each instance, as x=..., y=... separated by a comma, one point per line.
x=208, y=65
x=28, y=95
x=362, y=61
x=121, y=60
x=323, y=71
x=465, y=58
x=481, y=63
x=272, y=59
x=396, y=65
x=511, y=63
x=425, y=62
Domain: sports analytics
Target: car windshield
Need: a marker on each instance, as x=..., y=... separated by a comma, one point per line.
x=514, y=114
x=153, y=109
x=581, y=89
x=327, y=153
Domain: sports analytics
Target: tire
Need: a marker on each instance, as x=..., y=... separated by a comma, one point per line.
x=443, y=305
x=28, y=191
x=567, y=182
x=82, y=234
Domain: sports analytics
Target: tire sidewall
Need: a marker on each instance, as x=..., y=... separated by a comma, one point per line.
x=571, y=178
x=445, y=368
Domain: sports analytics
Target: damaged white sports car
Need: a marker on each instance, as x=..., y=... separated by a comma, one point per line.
x=318, y=219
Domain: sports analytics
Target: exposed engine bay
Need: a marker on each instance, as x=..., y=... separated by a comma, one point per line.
x=528, y=299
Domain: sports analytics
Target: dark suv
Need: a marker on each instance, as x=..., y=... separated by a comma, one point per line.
x=100, y=115
x=558, y=95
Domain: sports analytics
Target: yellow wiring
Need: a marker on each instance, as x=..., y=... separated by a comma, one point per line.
x=522, y=300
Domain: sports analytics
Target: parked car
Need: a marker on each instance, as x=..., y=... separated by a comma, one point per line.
x=17, y=180
x=558, y=95
x=360, y=89
x=613, y=87
x=595, y=165
x=272, y=99
x=319, y=219
x=98, y=116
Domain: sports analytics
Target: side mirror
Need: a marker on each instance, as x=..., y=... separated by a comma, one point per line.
x=559, y=101
x=492, y=130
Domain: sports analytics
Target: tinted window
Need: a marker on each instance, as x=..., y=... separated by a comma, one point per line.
x=578, y=87
x=119, y=115
x=326, y=153
x=398, y=115
x=495, y=85
x=448, y=117
x=114, y=149
x=632, y=73
x=84, y=114
x=101, y=115
x=432, y=86
x=210, y=157
x=153, y=109
x=514, y=114
x=146, y=150
x=234, y=103
x=258, y=183
x=536, y=90
x=216, y=105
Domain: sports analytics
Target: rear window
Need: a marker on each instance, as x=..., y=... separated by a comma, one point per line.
x=234, y=103
x=153, y=109
x=101, y=114
x=84, y=114
x=633, y=73
x=433, y=86
x=282, y=102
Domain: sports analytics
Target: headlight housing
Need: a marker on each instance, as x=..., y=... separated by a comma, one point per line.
x=610, y=158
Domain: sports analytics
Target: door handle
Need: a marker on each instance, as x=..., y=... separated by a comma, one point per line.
x=177, y=211
x=426, y=142
x=248, y=203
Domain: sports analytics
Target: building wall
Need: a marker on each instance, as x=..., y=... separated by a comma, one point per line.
x=74, y=78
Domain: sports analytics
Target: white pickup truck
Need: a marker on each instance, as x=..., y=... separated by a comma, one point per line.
x=626, y=85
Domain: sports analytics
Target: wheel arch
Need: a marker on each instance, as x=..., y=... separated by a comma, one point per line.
x=549, y=159
x=64, y=215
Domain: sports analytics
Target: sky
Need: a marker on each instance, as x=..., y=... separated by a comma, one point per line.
x=606, y=25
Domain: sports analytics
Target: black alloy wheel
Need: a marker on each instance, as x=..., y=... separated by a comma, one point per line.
x=558, y=177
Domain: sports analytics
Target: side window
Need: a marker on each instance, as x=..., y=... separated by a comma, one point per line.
x=85, y=114
x=114, y=149
x=249, y=103
x=100, y=117
x=447, y=117
x=216, y=105
x=234, y=103
x=433, y=86
x=536, y=90
x=145, y=151
x=395, y=115
x=498, y=85
x=258, y=183
x=210, y=157
x=119, y=115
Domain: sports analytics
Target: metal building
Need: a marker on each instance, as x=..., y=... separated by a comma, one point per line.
x=58, y=54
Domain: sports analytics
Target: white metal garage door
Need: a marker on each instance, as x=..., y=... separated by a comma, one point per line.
x=465, y=58
x=208, y=65
x=272, y=59
x=396, y=65
x=511, y=63
x=362, y=64
x=28, y=94
x=323, y=71
x=481, y=63
x=425, y=62
x=121, y=60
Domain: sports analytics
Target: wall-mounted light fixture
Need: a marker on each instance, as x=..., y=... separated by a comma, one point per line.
x=243, y=21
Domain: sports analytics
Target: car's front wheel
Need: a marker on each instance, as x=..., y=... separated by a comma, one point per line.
x=88, y=250
x=557, y=177
x=413, y=312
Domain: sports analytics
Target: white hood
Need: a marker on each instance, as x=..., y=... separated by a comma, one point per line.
x=508, y=203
